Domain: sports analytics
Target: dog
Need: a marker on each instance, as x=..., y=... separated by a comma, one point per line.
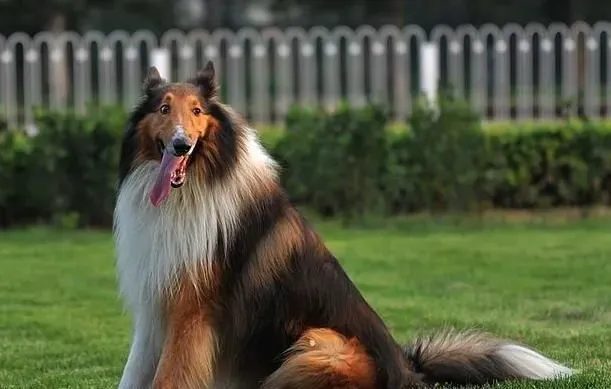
x=229, y=286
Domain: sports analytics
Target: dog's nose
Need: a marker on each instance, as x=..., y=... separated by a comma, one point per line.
x=181, y=146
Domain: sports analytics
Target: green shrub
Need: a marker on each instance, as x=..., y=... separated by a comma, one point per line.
x=448, y=152
x=399, y=181
x=434, y=162
x=445, y=160
x=66, y=172
x=335, y=159
x=547, y=165
x=346, y=163
x=74, y=165
x=15, y=153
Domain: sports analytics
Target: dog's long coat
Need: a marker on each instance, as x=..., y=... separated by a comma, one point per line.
x=229, y=286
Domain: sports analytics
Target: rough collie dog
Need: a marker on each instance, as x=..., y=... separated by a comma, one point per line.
x=229, y=286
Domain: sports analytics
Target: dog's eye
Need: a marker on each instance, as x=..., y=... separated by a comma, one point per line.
x=196, y=111
x=164, y=109
x=160, y=146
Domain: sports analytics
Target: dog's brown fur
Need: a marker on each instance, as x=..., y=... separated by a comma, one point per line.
x=321, y=359
x=273, y=308
x=190, y=347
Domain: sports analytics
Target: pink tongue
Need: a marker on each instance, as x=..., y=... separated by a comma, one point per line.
x=161, y=189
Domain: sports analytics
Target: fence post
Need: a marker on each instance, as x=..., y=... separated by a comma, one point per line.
x=160, y=58
x=429, y=71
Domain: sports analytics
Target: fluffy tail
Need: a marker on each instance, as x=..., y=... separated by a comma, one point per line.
x=471, y=358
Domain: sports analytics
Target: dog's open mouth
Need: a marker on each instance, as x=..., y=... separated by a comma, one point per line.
x=172, y=174
x=177, y=177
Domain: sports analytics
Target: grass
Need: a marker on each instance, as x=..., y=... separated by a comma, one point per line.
x=62, y=326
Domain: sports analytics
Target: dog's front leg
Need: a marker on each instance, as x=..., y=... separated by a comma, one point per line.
x=144, y=354
x=190, y=345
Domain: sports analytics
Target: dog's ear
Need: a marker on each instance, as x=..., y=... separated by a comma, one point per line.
x=206, y=82
x=152, y=80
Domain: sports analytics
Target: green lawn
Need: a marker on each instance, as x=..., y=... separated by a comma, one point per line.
x=62, y=326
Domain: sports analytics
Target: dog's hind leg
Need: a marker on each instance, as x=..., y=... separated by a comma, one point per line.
x=324, y=359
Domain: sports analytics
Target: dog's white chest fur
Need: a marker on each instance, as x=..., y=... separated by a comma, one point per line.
x=154, y=245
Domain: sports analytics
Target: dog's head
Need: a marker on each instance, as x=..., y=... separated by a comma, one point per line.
x=184, y=128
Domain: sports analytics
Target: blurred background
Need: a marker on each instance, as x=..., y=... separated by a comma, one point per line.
x=446, y=104
x=520, y=59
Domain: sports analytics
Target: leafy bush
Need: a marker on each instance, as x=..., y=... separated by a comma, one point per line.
x=74, y=164
x=448, y=152
x=66, y=171
x=547, y=165
x=15, y=152
x=347, y=163
x=335, y=159
x=444, y=159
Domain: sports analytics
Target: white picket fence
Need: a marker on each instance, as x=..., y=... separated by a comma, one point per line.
x=511, y=72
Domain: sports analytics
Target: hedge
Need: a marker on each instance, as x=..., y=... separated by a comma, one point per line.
x=65, y=174
x=347, y=163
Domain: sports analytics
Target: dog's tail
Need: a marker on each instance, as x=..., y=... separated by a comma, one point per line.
x=472, y=358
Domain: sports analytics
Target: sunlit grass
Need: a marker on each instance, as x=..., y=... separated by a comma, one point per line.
x=62, y=326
